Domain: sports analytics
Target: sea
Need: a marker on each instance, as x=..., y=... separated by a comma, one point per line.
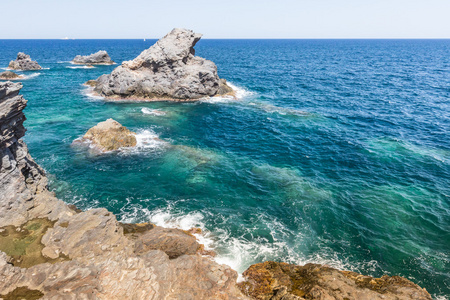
x=335, y=151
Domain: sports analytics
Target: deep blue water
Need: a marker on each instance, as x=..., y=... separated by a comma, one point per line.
x=338, y=151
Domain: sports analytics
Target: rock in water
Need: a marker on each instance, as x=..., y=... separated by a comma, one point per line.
x=99, y=58
x=24, y=62
x=281, y=281
x=168, y=70
x=8, y=75
x=110, y=135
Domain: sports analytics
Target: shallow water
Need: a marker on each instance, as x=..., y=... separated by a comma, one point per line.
x=337, y=152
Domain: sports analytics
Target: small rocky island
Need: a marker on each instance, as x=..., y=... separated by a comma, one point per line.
x=8, y=75
x=168, y=70
x=51, y=250
x=110, y=135
x=24, y=63
x=99, y=58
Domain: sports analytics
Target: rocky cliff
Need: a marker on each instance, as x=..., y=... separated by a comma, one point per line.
x=49, y=250
x=24, y=63
x=168, y=70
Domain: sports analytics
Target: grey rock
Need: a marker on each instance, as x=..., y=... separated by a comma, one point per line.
x=99, y=58
x=24, y=62
x=168, y=70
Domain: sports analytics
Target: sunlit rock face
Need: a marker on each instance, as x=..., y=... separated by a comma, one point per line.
x=24, y=63
x=168, y=70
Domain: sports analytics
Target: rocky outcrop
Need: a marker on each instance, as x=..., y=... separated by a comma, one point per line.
x=168, y=70
x=281, y=281
x=110, y=135
x=49, y=250
x=24, y=63
x=99, y=58
x=8, y=75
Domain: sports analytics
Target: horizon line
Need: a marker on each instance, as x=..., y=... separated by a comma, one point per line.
x=254, y=38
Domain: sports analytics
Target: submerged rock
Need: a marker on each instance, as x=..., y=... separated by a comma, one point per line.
x=8, y=75
x=99, y=58
x=281, y=281
x=168, y=70
x=110, y=135
x=24, y=62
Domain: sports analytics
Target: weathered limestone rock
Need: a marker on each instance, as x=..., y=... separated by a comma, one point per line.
x=110, y=135
x=281, y=281
x=99, y=58
x=168, y=70
x=24, y=62
x=21, y=179
x=8, y=75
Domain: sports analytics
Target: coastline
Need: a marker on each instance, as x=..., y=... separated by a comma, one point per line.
x=94, y=254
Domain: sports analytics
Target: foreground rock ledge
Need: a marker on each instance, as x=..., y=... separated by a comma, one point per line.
x=50, y=250
x=24, y=63
x=99, y=58
x=110, y=135
x=281, y=281
x=168, y=70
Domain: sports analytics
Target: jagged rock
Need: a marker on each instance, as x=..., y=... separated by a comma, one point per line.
x=8, y=75
x=281, y=281
x=24, y=62
x=99, y=58
x=168, y=70
x=110, y=135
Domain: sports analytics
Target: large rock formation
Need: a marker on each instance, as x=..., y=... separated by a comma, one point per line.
x=110, y=135
x=281, y=281
x=168, y=70
x=8, y=75
x=99, y=58
x=50, y=250
x=24, y=63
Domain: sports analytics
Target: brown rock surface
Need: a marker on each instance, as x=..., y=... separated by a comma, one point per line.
x=8, y=75
x=110, y=135
x=272, y=280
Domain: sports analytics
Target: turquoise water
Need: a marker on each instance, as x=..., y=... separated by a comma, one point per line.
x=337, y=151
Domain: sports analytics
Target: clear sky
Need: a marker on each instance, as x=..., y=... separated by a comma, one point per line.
x=225, y=18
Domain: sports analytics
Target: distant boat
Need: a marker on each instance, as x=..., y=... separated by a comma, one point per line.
x=144, y=40
x=65, y=38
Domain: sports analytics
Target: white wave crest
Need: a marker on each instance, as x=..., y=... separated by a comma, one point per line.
x=148, y=139
x=153, y=112
x=31, y=76
x=240, y=252
x=88, y=92
x=239, y=93
x=81, y=67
